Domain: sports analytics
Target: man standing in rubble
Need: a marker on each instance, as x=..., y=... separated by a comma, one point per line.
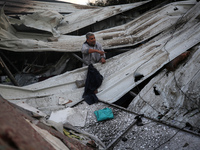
x=92, y=51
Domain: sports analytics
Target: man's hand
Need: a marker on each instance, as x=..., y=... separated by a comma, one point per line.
x=101, y=52
x=103, y=60
x=96, y=51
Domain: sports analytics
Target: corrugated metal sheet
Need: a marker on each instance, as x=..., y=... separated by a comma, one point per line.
x=170, y=31
x=17, y=7
x=55, y=23
x=84, y=18
x=132, y=33
x=145, y=26
x=179, y=93
x=118, y=72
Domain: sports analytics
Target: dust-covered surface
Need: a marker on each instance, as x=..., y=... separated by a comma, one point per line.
x=108, y=130
x=158, y=37
x=118, y=133
x=152, y=136
x=18, y=7
x=177, y=100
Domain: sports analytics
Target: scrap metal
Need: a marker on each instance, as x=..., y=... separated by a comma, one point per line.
x=118, y=72
x=19, y=7
x=173, y=97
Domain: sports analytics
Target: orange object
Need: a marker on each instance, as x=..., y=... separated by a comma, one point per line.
x=172, y=65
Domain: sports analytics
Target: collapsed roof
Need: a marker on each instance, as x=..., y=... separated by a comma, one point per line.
x=58, y=25
x=163, y=34
x=15, y=7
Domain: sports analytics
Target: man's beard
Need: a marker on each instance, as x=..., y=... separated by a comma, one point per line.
x=92, y=44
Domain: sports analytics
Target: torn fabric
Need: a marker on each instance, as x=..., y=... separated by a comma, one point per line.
x=93, y=82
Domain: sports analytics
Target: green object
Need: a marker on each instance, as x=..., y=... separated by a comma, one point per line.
x=104, y=114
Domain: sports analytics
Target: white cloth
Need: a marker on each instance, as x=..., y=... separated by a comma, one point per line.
x=73, y=116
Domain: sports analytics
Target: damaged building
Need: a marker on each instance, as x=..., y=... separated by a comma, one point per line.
x=151, y=81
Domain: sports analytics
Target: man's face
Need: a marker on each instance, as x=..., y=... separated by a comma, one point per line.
x=91, y=40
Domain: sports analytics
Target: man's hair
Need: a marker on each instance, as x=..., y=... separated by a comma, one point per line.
x=89, y=34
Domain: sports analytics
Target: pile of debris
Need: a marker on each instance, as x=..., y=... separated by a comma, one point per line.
x=152, y=56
